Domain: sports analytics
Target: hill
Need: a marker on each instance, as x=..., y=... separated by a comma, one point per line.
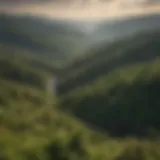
x=35, y=124
x=124, y=103
x=116, y=87
x=53, y=41
x=58, y=42
x=114, y=29
x=33, y=127
x=103, y=59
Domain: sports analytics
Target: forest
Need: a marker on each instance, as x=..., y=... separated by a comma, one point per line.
x=107, y=101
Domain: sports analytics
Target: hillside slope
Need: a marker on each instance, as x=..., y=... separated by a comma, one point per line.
x=119, y=28
x=53, y=41
x=117, y=86
x=36, y=125
x=105, y=58
x=32, y=126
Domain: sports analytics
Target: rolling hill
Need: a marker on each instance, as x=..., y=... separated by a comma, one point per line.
x=108, y=102
x=107, y=57
x=53, y=41
x=59, y=42
x=32, y=126
x=115, y=87
x=111, y=30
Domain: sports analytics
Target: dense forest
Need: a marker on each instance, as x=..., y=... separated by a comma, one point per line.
x=119, y=87
x=40, y=38
x=107, y=106
x=140, y=48
x=34, y=127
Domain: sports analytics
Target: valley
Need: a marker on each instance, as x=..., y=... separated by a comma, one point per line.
x=79, y=90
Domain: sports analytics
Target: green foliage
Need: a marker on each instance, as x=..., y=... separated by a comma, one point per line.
x=19, y=71
x=32, y=126
x=54, y=42
x=122, y=27
x=29, y=120
x=124, y=103
x=141, y=48
x=118, y=89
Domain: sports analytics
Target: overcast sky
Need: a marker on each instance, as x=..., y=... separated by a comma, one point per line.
x=77, y=9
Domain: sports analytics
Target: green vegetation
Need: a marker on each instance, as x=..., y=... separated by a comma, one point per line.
x=114, y=29
x=19, y=72
x=118, y=89
x=108, y=102
x=54, y=42
x=32, y=127
x=124, y=103
x=105, y=58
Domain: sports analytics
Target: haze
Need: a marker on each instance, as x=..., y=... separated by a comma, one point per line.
x=93, y=9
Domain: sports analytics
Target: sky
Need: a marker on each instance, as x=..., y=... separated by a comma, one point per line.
x=76, y=9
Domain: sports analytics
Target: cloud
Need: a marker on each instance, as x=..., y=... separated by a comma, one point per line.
x=78, y=9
